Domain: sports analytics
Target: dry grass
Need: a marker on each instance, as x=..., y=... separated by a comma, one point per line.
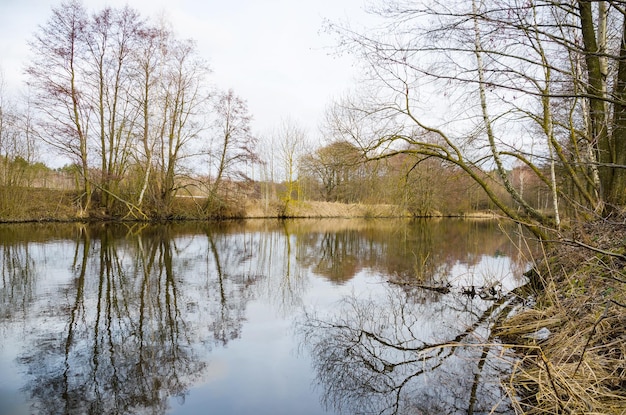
x=312, y=209
x=28, y=204
x=581, y=367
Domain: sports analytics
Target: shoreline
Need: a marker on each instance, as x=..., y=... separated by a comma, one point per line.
x=252, y=209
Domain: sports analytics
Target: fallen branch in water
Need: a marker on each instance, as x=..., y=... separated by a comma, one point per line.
x=442, y=289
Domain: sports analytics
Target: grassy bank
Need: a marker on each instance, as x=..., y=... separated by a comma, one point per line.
x=316, y=209
x=19, y=204
x=572, y=342
x=40, y=204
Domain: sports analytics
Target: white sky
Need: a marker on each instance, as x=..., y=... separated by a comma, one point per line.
x=273, y=53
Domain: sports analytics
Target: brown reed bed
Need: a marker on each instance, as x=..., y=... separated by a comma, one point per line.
x=572, y=342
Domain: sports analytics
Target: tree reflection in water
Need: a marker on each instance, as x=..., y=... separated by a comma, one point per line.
x=411, y=351
x=123, y=336
x=120, y=318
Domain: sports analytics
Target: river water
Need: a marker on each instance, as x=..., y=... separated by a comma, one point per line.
x=258, y=317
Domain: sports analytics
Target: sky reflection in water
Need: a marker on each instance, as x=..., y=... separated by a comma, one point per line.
x=263, y=317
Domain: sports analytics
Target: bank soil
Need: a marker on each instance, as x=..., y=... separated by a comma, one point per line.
x=572, y=339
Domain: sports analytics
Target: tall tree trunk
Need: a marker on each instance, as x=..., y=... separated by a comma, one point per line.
x=617, y=191
x=598, y=117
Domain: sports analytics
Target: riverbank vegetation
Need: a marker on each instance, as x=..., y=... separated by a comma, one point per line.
x=506, y=106
x=573, y=340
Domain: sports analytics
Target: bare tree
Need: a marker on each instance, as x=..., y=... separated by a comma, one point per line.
x=119, y=93
x=112, y=36
x=233, y=147
x=8, y=137
x=497, y=83
x=606, y=134
x=184, y=105
x=336, y=167
x=56, y=74
x=291, y=143
x=149, y=61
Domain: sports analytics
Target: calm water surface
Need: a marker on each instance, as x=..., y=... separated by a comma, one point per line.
x=261, y=317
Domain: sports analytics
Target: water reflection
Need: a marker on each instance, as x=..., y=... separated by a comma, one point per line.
x=408, y=353
x=125, y=318
x=425, y=249
x=120, y=333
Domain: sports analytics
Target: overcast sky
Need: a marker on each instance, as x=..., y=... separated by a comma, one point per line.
x=273, y=53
